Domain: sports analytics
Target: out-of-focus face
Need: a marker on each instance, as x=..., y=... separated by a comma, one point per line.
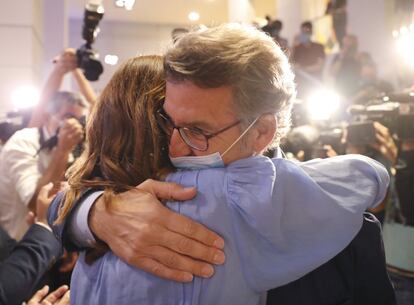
x=208, y=110
x=71, y=111
x=368, y=72
x=305, y=35
x=66, y=111
x=306, y=30
x=350, y=44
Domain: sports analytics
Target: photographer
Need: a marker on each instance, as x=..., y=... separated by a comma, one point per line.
x=35, y=156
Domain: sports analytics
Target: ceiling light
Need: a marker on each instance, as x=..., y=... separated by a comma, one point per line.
x=127, y=4
x=193, y=16
x=111, y=59
x=119, y=3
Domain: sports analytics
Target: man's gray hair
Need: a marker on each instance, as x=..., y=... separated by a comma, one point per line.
x=61, y=98
x=242, y=57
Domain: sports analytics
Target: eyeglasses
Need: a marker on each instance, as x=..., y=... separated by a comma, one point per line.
x=193, y=137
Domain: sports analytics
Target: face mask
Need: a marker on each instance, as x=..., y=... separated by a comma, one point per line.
x=275, y=33
x=304, y=38
x=209, y=161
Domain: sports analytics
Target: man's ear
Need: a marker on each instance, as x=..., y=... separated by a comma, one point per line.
x=265, y=128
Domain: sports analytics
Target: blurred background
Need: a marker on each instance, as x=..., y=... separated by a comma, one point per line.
x=353, y=61
x=35, y=31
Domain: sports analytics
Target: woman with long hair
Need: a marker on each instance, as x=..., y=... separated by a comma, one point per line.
x=124, y=143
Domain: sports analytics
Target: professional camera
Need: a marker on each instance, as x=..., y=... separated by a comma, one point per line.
x=312, y=140
x=88, y=58
x=53, y=141
x=395, y=111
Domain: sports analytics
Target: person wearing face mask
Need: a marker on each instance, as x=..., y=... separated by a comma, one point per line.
x=308, y=55
x=40, y=154
x=274, y=29
x=269, y=212
x=308, y=58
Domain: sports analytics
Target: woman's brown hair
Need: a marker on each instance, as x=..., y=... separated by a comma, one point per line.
x=124, y=145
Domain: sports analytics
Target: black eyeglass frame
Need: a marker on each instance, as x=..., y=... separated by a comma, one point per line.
x=184, y=137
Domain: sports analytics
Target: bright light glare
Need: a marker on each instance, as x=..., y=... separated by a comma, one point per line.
x=403, y=30
x=119, y=3
x=111, y=59
x=194, y=16
x=322, y=104
x=25, y=97
x=129, y=4
x=395, y=34
x=405, y=47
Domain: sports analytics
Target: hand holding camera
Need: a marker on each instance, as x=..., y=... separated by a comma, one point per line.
x=66, y=62
x=385, y=143
x=70, y=134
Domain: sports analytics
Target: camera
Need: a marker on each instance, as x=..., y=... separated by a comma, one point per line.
x=395, y=111
x=361, y=133
x=88, y=58
x=53, y=141
x=312, y=140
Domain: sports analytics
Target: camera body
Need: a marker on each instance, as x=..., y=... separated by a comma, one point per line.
x=53, y=141
x=312, y=140
x=88, y=58
x=397, y=114
x=361, y=133
x=88, y=61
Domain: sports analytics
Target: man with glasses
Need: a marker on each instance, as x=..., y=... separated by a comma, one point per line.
x=231, y=103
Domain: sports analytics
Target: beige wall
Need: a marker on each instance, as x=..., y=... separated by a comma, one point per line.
x=21, y=55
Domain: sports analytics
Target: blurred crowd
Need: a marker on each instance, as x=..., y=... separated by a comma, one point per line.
x=33, y=161
x=373, y=119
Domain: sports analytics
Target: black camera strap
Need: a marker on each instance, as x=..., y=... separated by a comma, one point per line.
x=46, y=144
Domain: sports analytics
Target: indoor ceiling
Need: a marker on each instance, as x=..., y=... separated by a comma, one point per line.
x=159, y=11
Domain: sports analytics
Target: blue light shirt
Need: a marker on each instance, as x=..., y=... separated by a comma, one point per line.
x=279, y=219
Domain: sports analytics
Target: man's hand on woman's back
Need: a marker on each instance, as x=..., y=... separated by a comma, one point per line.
x=144, y=233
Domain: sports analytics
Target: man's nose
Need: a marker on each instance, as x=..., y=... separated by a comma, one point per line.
x=178, y=148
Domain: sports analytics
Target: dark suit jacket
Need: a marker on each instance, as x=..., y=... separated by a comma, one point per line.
x=59, y=230
x=356, y=276
x=23, y=263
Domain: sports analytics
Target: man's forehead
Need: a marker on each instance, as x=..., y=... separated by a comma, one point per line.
x=73, y=110
x=187, y=102
x=196, y=97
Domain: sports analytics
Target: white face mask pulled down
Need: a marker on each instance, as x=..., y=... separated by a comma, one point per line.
x=208, y=161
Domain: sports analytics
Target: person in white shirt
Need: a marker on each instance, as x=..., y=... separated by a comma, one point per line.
x=35, y=156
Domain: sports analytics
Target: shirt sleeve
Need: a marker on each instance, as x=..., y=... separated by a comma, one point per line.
x=74, y=232
x=364, y=178
x=291, y=223
x=78, y=227
x=22, y=165
x=26, y=264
